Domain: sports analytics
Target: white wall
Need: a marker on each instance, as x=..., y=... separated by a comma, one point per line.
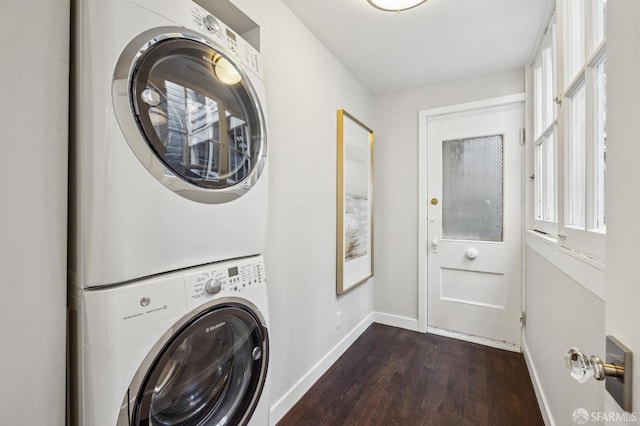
x=305, y=87
x=396, y=185
x=561, y=313
x=33, y=119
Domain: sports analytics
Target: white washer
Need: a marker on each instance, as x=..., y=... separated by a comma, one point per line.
x=158, y=181
x=187, y=348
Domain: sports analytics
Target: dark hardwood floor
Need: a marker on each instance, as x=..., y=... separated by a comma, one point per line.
x=391, y=376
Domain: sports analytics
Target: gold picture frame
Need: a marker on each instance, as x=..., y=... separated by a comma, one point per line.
x=354, y=249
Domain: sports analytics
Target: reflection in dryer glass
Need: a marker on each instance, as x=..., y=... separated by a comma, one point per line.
x=197, y=114
x=189, y=124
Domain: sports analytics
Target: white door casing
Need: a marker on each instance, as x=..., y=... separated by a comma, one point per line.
x=470, y=270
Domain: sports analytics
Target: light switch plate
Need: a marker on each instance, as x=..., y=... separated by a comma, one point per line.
x=620, y=388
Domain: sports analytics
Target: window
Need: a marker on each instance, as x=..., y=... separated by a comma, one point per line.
x=544, y=176
x=600, y=149
x=574, y=38
x=598, y=22
x=575, y=155
x=549, y=203
x=569, y=124
x=584, y=111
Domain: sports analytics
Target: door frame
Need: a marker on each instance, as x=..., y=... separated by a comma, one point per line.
x=423, y=120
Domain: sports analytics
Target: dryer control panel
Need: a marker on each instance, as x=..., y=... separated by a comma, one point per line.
x=224, y=280
x=191, y=15
x=217, y=30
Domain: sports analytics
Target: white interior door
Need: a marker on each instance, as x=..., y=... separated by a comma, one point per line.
x=622, y=313
x=474, y=224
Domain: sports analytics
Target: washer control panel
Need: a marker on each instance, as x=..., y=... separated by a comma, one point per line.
x=224, y=279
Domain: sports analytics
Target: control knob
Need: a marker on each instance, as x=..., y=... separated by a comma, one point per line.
x=211, y=23
x=213, y=286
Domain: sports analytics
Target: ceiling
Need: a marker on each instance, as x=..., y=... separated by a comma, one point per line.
x=438, y=41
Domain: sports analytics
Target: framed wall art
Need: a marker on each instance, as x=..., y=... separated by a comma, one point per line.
x=354, y=253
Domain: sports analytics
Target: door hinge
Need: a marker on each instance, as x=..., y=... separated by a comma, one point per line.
x=523, y=134
x=523, y=320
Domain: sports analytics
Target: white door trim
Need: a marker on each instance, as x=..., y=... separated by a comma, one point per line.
x=423, y=120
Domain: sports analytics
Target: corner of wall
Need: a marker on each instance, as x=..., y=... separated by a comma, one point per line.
x=395, y=321
x=289, y=399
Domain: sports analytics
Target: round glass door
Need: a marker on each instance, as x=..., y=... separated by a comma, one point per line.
x=210, y=373
x=196, y=111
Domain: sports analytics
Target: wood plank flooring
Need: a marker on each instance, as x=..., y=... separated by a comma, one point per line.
x=392, y=376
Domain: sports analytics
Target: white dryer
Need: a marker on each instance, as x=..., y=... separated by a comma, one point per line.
x=187, y=348
x=169, y=146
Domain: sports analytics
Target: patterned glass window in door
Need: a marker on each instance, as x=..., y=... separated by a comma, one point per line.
x=472, y=189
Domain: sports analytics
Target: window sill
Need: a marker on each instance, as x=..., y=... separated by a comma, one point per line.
x=583, y=257
x=584, y=269
x=547, y=238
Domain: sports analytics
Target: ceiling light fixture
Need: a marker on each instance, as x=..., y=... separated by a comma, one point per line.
x=395, y=5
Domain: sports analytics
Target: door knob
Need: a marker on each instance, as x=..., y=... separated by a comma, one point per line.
x=434, y=243
x=471, y=253
x=616, y=370
x=582, y=367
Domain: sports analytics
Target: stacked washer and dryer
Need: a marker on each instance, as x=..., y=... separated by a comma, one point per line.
x=168, y=309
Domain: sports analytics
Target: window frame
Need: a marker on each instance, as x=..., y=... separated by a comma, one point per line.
x=545, y=195
x=589, y=26
x=586, y=240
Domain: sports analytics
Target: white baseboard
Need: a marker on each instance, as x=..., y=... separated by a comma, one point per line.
x=395, y=321
x=540, y=396
x=474, y=339
x=284, y=404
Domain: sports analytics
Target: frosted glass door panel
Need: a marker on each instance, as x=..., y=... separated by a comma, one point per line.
x=472, y=188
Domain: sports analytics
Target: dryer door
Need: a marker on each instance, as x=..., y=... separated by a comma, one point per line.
x=190, y=114
x=211, y=371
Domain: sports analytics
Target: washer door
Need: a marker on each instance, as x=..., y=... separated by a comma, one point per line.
x=210, y=372
x=190, y=114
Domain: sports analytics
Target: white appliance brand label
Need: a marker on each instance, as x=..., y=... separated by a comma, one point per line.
x=127, y=317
